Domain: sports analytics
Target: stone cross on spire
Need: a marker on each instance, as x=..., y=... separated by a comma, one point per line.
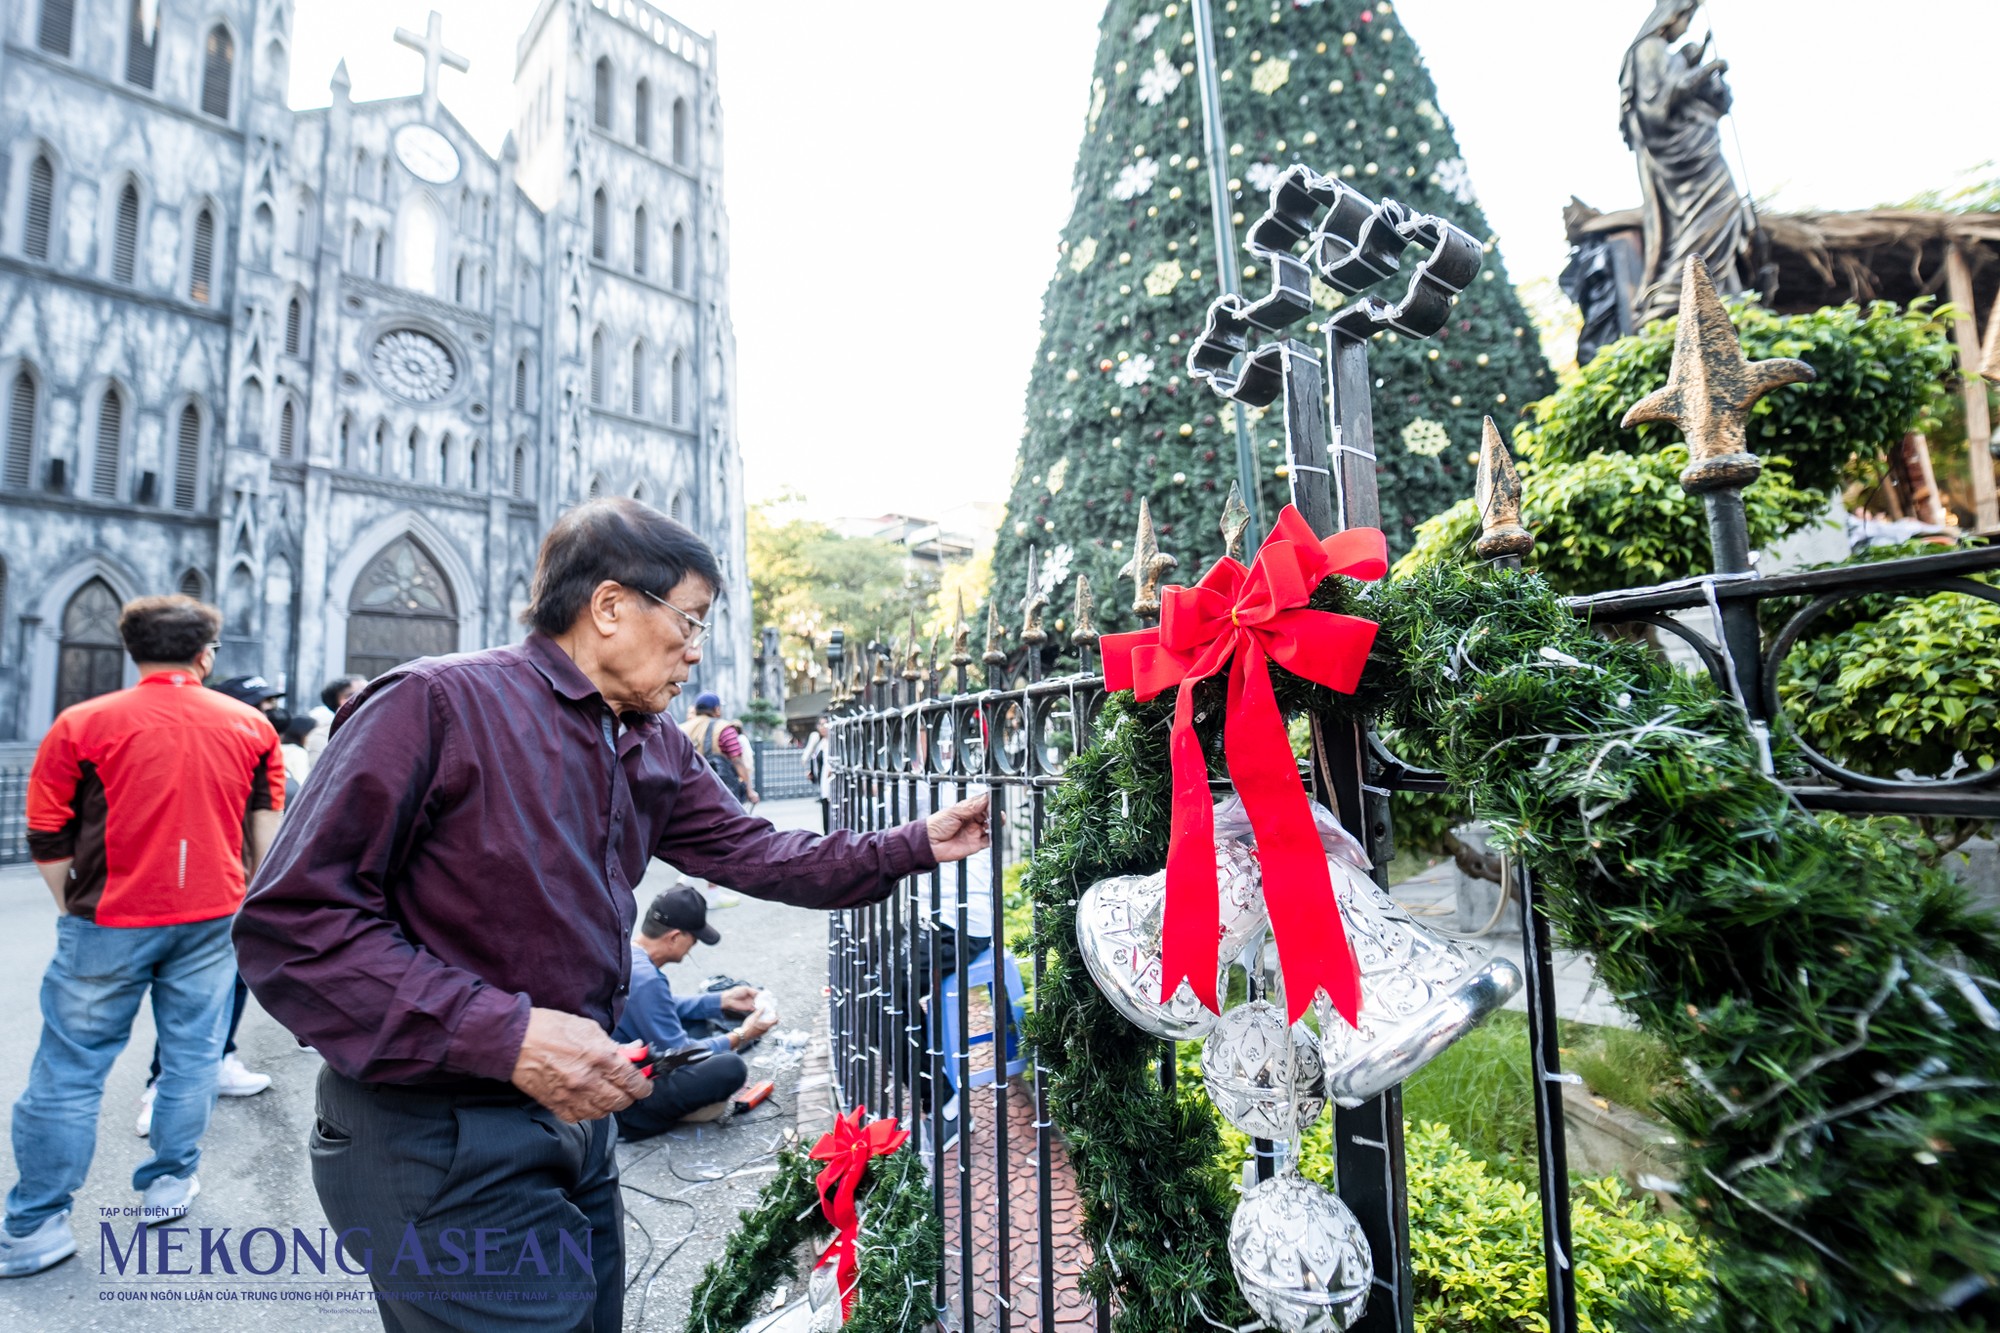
x=435, y=56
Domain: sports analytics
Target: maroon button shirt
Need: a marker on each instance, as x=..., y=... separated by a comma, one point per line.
x=467, y=848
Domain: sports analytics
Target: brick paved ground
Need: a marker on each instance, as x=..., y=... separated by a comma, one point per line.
x=1073, y=1310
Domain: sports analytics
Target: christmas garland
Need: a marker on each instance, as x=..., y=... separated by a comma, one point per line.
x=901, y=1244
x=1827, y=993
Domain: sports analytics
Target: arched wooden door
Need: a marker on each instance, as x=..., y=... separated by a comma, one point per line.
x=92, y=659
x=401, y=609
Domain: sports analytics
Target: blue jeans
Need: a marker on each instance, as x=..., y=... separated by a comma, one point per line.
x=90, y=994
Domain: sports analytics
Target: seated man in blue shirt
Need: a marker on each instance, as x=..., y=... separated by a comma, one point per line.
x=654, y=1014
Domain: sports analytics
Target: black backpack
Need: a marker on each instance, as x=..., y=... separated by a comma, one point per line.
x=721, y=764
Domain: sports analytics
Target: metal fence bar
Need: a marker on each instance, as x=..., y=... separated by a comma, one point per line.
x=13, y=816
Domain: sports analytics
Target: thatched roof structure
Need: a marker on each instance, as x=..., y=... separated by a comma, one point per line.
x=1825, y=259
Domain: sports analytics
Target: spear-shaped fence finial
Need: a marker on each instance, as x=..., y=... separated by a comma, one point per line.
x=1235, y=518
x=996, y=634
x=961, y=636
x=913, y=661
x=1032, y=635
x=1084, y=635
x=1498, y=496
x=1148, y=565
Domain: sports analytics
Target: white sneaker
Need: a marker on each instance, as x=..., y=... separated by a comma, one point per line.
x=233, y=1080
x=169, y=1197
x=143, y=1126
x=48, y=1245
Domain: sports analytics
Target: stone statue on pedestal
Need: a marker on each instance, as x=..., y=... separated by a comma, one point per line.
x=1671, y=101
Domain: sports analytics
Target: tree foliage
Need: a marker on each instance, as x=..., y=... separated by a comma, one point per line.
x=1111, y=415
x=808, y=579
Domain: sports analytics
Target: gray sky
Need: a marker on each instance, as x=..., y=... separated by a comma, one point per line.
x=898, y=171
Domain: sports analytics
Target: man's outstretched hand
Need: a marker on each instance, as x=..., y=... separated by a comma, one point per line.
x=958, y=831
x=569, y=1065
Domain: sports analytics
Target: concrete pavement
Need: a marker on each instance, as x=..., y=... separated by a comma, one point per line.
x=683, y=1189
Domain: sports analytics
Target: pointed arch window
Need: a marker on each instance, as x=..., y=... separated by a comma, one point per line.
x=680, y=131
x=596, y=487
x=401, y=608
x=680, y=247
x=600, y=225
x=92, y=658
x=381, y=244
x=676, y=394
x=344, y=437
x=58, y=26
x=187, y=459
x=520, y=384
x=642, y=114
x=597, y=368
x=639, y=240
x=443, y=477
x=191, y=584
x=639, y=378
x=295, y=327
x=125, y=236
x=201, y=260
x=458, y=282
x=288, y=426
x=517, y=480
x=378, y=447
x=108, y=454
x=38, y=219
x=22, y=398
x=412, y=449
x=218, y=67
x=601, y=100
x=141, y=44
x=472, y=466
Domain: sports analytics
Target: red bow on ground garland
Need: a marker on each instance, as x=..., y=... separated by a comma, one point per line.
x=1245, y=619
x=846, y=1149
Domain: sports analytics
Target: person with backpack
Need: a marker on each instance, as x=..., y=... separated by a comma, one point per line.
x=719, y=741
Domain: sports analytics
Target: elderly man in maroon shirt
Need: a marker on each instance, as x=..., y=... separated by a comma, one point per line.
x=445, y=914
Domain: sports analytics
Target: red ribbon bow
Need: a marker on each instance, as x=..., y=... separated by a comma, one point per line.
x=1245, y=619
x=846, y=1149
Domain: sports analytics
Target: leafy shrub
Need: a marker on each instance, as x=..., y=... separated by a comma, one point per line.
x=1881, y=373
x=1605, y=503
x=1614, y=520
x=1476, y=1245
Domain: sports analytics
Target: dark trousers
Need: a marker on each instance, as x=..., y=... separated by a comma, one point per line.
x=475, y=1210
x=686, y=1089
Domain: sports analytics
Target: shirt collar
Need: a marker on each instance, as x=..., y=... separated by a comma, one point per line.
x=566, y=679
x=169, y=678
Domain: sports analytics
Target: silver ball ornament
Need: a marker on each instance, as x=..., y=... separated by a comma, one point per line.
x=1263, y=1074
x=823, y=1295
x=794, y=1318
x=1299, y=1256
x=1119, y=924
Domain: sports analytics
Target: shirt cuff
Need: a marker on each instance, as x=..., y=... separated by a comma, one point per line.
x=486, y=1042
x=707, y=1005
x=907, y=850
x=720, y=1045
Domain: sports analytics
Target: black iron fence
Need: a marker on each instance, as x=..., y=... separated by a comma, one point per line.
x=13, y=816
x=908, y=740
x=779, y=772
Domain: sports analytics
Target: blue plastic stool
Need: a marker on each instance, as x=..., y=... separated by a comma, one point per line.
x=981, y=974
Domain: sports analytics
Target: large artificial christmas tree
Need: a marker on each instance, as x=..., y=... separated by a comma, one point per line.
x=1112, y=416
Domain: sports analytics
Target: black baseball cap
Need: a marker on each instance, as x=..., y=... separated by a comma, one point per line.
x=681, y=909
x=252, y=690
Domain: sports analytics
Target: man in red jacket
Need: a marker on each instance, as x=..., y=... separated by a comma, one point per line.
x=137, y=808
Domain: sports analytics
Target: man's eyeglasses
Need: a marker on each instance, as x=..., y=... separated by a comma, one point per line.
x=697, y=633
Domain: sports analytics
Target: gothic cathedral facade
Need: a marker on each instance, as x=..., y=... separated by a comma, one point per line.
x=337, y=370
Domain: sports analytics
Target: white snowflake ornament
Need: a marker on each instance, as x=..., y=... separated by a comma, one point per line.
x=1261, y=176
x=1056, y=569
x=1426, y=438
x=1159, y=82
x=1453, y=178
x=1135, y=178
x=1144, y=27
x=1135, y=372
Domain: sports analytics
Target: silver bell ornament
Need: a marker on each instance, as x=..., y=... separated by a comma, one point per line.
x=1118, y=927
x=792, y=1319
x=823, y=1296
x=1299, y=1256
x=1263, y=1074
x=1420, y=992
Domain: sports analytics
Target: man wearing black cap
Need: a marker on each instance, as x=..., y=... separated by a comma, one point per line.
x=653, y=1014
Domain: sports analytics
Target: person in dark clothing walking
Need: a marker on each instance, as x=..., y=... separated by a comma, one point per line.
x=677, y=920
x=446, y=917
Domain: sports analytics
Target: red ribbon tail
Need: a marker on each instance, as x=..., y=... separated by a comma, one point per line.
x=1314, y=953
x=1190, y=944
